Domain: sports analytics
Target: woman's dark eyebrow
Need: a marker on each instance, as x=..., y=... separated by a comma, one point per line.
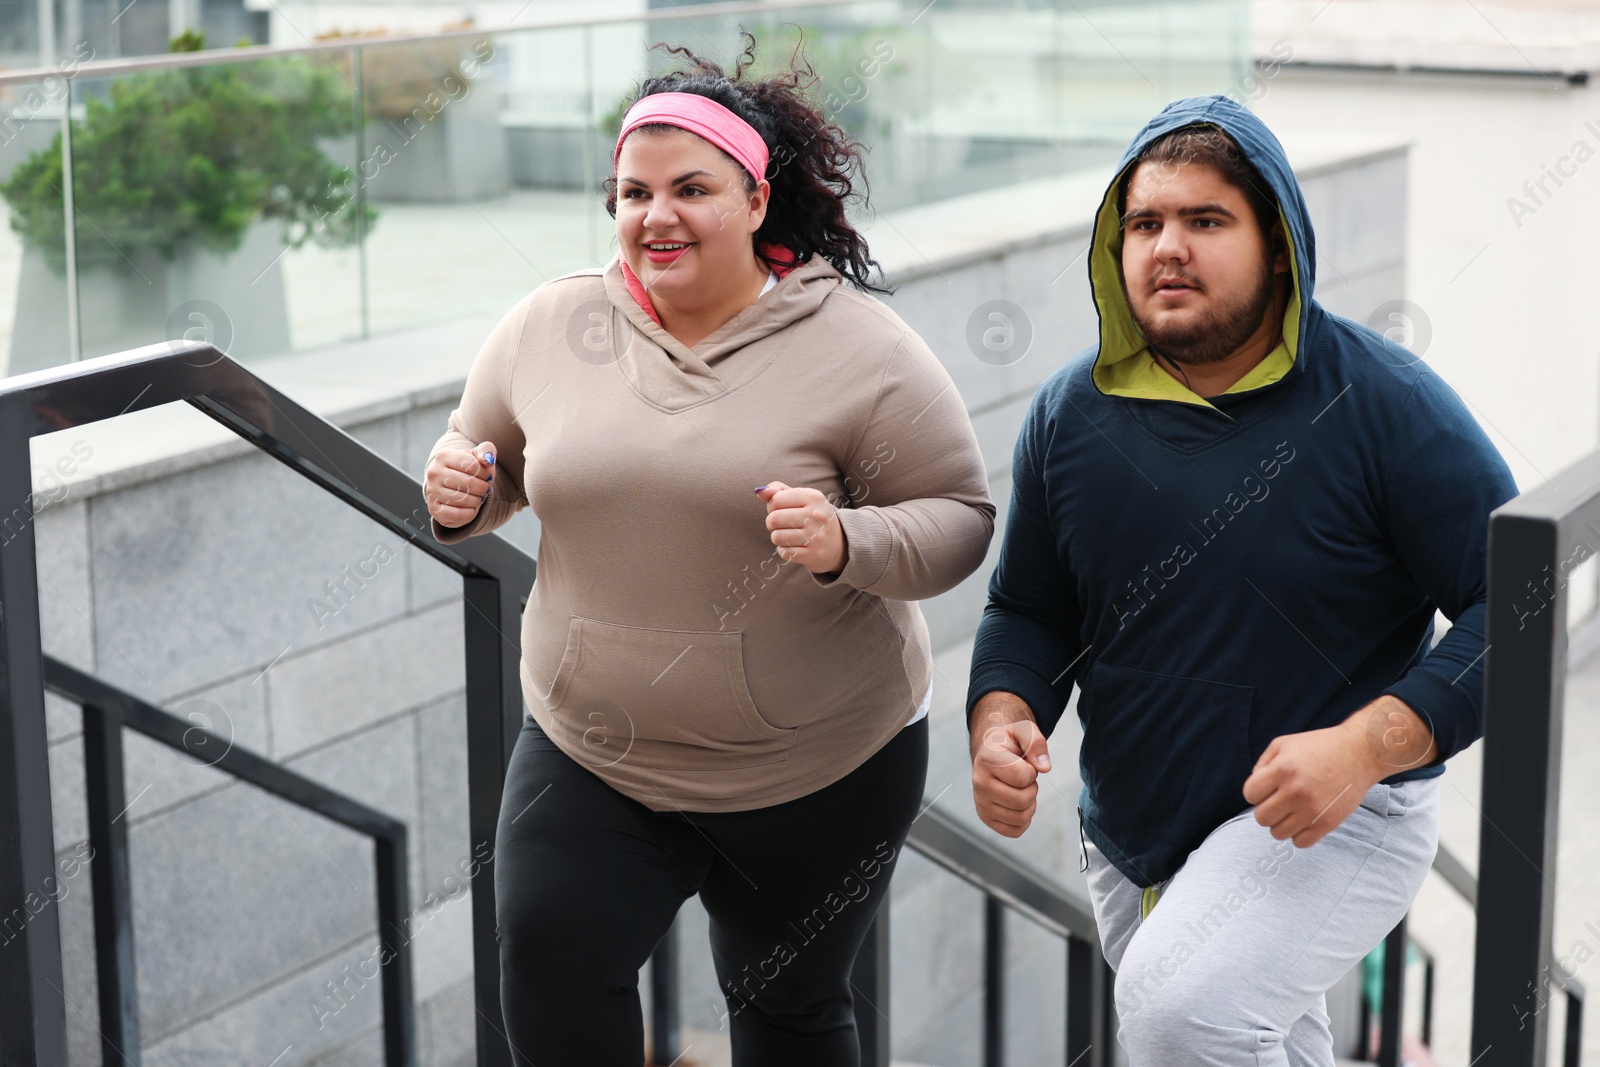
x=675, y=181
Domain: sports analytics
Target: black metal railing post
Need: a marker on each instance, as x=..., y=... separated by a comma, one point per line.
x=1091, y=1015
x=394, y=955
x=1394, y=996
x=107, y=804
x=994, y=983
x=1427, y=1000
x=1525, y=679
x=493, y=626
x=666, y=1033
x=1572, y=1046
x=869, y=982
x=1105, y=984
x=33, y=1003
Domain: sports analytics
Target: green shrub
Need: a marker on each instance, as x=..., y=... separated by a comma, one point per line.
x=193, y=157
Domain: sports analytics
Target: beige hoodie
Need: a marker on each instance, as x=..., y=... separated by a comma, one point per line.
x=666, y=645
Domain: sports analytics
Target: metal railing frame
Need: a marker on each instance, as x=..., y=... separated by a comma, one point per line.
x=1455, y=874
x=106, y=711
x=1534, y=541
x=1006, y=884
x=496, y=581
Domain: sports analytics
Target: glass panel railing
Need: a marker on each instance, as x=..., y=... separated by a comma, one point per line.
x=284, y=203
x=19, y=33
x=35, y=295
x=200, y=191
x=482, y=158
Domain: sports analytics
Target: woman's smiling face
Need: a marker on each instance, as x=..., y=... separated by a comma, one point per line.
x=684, y=219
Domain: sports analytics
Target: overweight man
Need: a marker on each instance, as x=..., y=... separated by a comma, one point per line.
x=1231, y=524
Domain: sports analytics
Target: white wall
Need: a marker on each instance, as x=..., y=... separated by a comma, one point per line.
x=1495, y=261
x=1510, y=299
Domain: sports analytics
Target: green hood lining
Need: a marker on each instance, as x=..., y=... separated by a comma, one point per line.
x=1123, y=366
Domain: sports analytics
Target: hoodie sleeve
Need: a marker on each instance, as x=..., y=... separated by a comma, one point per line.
x=1442, y=479
x=485, y=414
x=1028, y=637
x=919, y=456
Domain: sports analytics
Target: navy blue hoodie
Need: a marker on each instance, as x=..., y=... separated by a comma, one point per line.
x=1214, y=574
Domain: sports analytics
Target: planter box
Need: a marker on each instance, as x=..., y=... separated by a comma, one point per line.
x=460, y=152
x=551, y=157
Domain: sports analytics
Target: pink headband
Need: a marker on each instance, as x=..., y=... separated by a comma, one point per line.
x=703, y=116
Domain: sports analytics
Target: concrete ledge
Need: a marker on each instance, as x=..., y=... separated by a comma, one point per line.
x=349, y=385
x=964, y=230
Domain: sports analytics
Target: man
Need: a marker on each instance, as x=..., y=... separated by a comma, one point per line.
x=1231, y=524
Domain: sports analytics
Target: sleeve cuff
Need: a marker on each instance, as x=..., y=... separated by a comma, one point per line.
x=1423, y=696
x=866, y=534
x=1033, y=690
x=494, y=513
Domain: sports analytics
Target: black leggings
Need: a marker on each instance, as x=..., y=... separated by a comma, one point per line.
x=587, y=881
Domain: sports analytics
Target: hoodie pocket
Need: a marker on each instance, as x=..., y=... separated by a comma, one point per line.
x=1164, y=758
x=660, y=698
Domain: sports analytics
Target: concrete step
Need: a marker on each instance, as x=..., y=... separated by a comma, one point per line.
x=706, y=1049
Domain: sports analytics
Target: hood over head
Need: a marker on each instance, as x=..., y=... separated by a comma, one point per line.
x=1122, y=366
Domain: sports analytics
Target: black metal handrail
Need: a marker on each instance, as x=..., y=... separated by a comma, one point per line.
x=106, y=710
x=497, y=579
x=1448, y=866
x=1008, y=882
x=1534, y=542
x=1391, y=1009
x=1005, y=882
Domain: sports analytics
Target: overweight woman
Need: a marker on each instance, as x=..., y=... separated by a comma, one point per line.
x=747, y=471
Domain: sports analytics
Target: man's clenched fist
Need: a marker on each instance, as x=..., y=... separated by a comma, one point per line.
x=1009, y=752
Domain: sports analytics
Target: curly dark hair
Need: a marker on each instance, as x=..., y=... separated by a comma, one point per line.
x=815, y=166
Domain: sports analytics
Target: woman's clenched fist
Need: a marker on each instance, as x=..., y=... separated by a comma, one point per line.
x=805, y=527
x=456, y=483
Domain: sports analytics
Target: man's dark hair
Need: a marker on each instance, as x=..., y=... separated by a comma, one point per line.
x=1210, y=145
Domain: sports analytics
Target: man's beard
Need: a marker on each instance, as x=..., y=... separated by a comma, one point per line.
x=1218, y=334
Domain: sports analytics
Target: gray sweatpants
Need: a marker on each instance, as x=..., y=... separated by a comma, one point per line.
x=1231, y=963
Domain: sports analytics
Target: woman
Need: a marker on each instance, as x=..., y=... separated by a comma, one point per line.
x=727, y=687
